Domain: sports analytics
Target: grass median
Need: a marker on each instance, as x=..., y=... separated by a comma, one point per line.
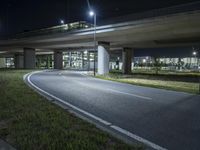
x=181, y=86
x=29, y=121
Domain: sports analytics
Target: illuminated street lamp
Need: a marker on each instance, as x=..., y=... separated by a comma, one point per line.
x=62, y=22
x=145, y=62
x=93, y=14
x=195, y=55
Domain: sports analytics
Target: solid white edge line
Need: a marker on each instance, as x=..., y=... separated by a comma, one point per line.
x=70, y=105
x=118, y=129
x=140, y=139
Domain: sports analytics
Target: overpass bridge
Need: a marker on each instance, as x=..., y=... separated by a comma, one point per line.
x=180, y=28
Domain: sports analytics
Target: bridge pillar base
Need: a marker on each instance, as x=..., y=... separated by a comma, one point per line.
x=103, y=58
x=58, y=60
x=29, y=58
x=127, y=54
x=19, y=61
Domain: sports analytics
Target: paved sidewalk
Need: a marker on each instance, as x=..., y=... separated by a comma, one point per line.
x=5, y=146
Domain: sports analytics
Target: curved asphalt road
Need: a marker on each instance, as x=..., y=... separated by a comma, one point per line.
x=169, y=119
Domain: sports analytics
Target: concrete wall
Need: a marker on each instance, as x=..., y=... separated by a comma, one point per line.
x=127, y=56
x=29, y=58
x=19, y=61
x=103, y=58
x=58, y=60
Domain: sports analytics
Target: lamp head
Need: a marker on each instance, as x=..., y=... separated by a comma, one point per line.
x=62, y=21
x=194, y=53
x=91, y=13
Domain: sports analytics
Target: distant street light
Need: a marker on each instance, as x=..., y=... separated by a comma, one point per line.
x=93, y=14
x=197, y=58
x=62, y=22
x=194, y=53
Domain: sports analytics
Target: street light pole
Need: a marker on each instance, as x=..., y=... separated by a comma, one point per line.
x=196, y=54
x=62, y=22
x=95, y=47
x=93, y=14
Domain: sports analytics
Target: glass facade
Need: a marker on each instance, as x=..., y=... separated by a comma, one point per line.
x=84, y=60
x=44, y=61
x=78, y=60
x=10, y=63
x=74, y=60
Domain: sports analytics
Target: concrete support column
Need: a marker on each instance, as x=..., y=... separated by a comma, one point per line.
x=29, y=58
x=83, y=61
x=58, y=60
x=88, y=60
x=2, y=62
x=70, y=59
x=103, y=58
x=19, y=61
x=179, y=64
x=127, y=54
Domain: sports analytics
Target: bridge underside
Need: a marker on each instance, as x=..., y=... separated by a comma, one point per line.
x=175, y=30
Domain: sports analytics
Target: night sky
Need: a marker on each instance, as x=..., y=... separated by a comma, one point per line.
x=19, y=15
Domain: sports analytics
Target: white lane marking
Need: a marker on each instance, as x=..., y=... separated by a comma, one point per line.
x=129, y=134
x=115, y=91
x=118, y=129
x=135, y=95
x=68, y=104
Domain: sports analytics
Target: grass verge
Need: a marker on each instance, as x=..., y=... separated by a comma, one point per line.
x=189, y=87
x=29, y=121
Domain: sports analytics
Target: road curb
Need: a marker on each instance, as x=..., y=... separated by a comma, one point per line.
x=5, y=146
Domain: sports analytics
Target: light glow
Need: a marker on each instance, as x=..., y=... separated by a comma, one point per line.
x=62, y=21
x=194, y=53
x=91, y=13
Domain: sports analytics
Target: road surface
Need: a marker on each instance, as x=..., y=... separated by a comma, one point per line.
x=167, y=118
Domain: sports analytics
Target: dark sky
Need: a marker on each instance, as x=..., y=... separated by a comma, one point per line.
x=19, y=15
